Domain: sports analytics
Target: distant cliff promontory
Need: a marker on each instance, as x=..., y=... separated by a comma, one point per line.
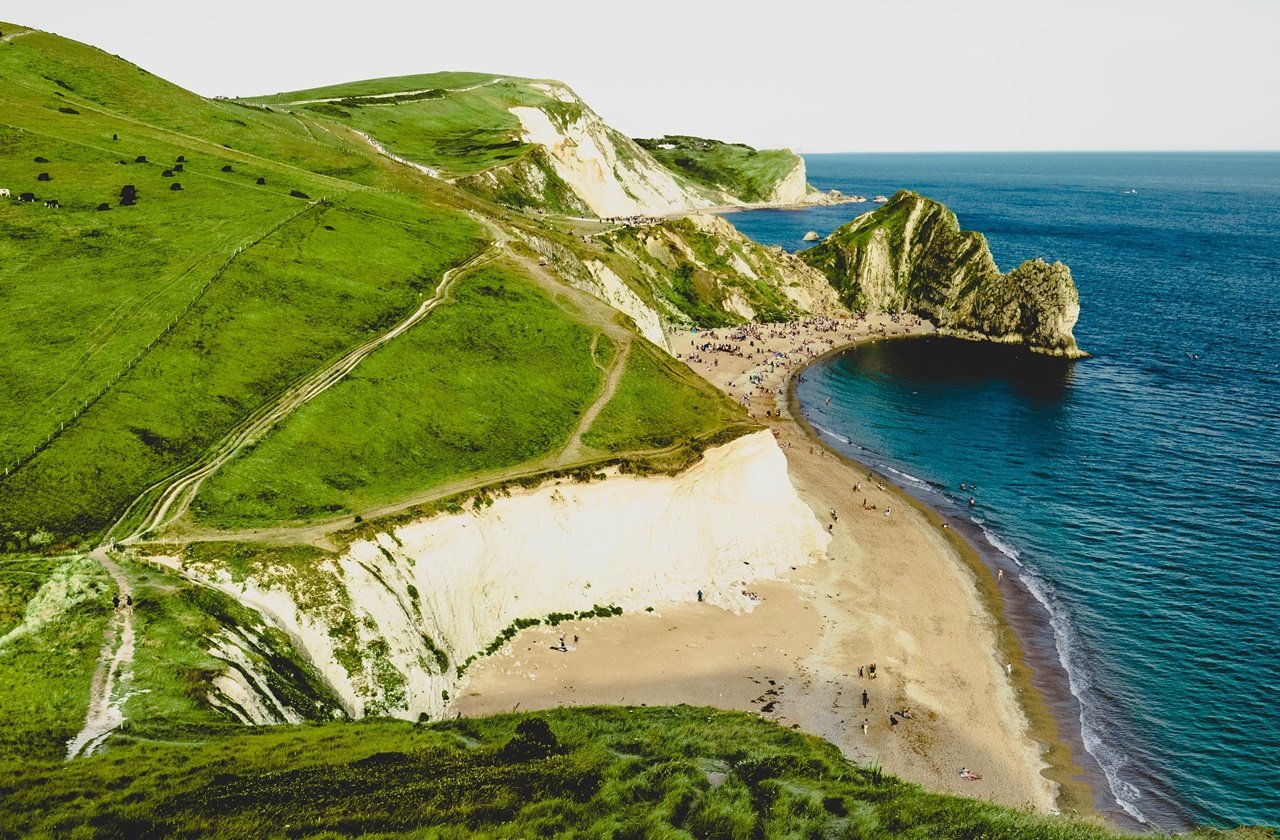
x=912, y=255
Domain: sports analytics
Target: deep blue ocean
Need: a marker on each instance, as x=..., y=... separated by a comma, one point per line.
x=1135, y=493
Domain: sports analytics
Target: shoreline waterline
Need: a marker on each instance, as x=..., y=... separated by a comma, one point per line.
x=1078, y=790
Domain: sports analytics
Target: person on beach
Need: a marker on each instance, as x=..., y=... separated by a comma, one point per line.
x=1008, y=668
x=893, y=723
x=860, y=669
x=865, y=721
x=887, y=512
x=699, y=596
x=831, y=528
x=866, y=698
x=999, y=574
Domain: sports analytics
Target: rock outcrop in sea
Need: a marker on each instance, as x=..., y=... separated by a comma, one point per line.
x=911, y=255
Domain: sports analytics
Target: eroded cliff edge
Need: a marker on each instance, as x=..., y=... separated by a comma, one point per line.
x=911, y=255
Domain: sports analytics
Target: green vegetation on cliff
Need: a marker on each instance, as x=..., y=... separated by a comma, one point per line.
x=677, y=772
x=912, y=255
x=748, y=174
x=459, y=123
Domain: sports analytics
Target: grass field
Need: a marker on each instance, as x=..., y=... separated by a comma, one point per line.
x=498, y=376
x=298, y=298
x=591, y=772
x=750, y=174
x=659, y=403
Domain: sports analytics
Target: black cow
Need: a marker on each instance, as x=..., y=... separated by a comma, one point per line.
x=175, y=186
x=261, y=181
x=226, y=168
x=27, y=197
x=140, y=159
x=104, y=206
x=168, y=173
x=182, y=158
x=44, y=176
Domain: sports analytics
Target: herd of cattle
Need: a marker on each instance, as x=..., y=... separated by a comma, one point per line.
x=128, y=193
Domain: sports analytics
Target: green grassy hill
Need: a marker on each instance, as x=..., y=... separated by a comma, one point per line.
x=134, y=337
x=458, y=123
x=750, y=174
x=587, y=772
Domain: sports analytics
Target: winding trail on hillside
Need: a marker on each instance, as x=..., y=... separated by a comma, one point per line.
x=106, y=709
x=106, y=696
x=177, y=492
x=6, y=39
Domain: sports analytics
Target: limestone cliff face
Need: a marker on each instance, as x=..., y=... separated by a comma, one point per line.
x=391, y=623
x=911, y=255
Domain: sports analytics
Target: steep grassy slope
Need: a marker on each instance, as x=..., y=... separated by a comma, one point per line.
x=751, y=175
x=520, y=371
x=911, y=254
x=637, y=772
x=459, y=123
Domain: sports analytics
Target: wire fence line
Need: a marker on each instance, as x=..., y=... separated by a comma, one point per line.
x=173, y=323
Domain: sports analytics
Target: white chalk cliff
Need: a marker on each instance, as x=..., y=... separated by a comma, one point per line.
x=415, y=602
x=610, y=173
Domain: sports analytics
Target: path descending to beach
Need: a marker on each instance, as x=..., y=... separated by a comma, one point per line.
x=892, y=592
x=106, y=700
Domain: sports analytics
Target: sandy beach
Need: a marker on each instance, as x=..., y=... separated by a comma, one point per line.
x=892, y=591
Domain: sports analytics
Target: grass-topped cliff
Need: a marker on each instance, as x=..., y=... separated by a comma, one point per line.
x=911, y=254
x=751, y=175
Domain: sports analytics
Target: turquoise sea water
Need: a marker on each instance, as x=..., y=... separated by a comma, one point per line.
x=1135, y=494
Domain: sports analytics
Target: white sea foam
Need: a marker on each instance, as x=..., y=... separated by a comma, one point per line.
x=999, y=544
x=919, y=483
x=1070, y=653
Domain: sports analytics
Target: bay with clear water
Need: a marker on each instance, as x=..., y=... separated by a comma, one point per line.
x=1135, y=495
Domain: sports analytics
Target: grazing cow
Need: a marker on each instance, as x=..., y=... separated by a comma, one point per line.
x=52, y=202
x=226, y=168
x=177, y=167
x=140, y=159
x=115, y=137
x=168, y=173
x=175, y=186
x=27, y=197
x=4, y=193
x=104, y=206
x=39, y=159
x=128, y=189
x=182, y=158
x=43, y=176
x=261, y=181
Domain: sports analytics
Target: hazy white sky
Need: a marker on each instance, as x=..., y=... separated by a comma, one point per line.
x=817, y=76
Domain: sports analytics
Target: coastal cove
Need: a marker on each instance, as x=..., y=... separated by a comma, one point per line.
x=1114, y=488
